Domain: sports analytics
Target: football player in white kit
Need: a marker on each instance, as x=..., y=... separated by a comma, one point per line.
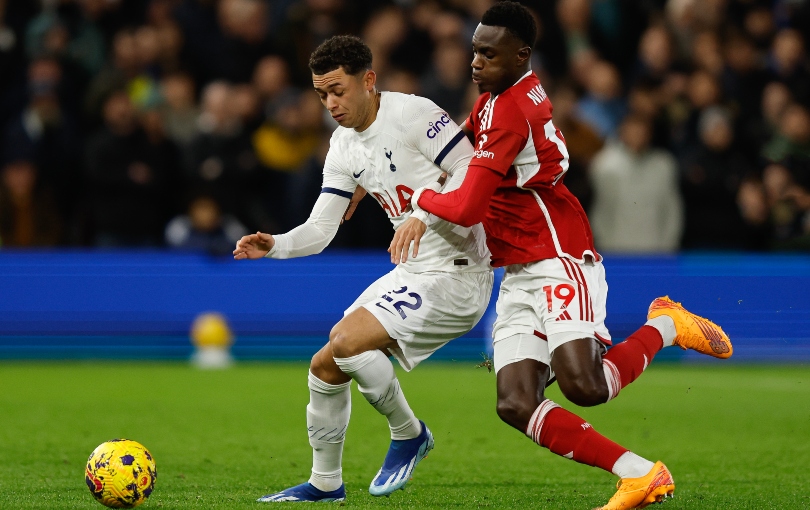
x=388, y=144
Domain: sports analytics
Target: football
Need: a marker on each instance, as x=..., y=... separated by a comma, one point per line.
x=121, y=473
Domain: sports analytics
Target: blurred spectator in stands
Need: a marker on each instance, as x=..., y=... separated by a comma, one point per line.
x=271, y=79
x=707, y=53
x=179, y=108
x=774, y=101
x=655, y=54
x=703, y=91
x=129, y=176
x=760, y=25
x=581, y=64
x=45, y=133
x=224, y=39
x=284, y=144
x=398, y=79
x=610, y=27
x=123, y=66
x=67, y=31
x=712, y=171
x=789, y=205
x=447, y=79
x=204, y=228
x=743, y=81
x=581, y=140
x=427, y=23
x=246, y=105
x=754, y=209
x=792, y=139
x=14, y=18
x=221, y=160
x=646, y=99
x=637, y=205
x=603, y=106
x=574, y=17
x=687, y=18
x=384, y=32
x=310, y=22
x=788, y=63
x=28, y=214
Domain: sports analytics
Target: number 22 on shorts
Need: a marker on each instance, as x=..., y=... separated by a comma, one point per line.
x=399, y=305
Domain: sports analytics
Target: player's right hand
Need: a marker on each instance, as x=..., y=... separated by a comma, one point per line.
x=409, y=232
x=253, y=246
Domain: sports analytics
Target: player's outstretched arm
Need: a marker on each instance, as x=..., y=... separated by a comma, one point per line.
x=253, y=246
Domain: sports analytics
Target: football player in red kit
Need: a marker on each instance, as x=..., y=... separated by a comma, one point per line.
x=551, y=305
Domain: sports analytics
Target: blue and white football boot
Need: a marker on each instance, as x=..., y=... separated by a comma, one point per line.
x=306, y=492
x=401, y=460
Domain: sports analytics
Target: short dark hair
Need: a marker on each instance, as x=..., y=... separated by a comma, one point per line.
x=346, y=51
x=515, y=18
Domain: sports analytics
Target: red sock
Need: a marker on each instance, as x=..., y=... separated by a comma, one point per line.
x=624, y=362
x=569, y=436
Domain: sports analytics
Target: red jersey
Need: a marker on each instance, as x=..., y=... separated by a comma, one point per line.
x=531, y=215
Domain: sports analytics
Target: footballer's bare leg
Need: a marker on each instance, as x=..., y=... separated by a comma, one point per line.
x=578, y=367
x=520, y=391
x=353, y=352
x=523, y=405
x=588, y=378
x=359, y=345
x=355, y=334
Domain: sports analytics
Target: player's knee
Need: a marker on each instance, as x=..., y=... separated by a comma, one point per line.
x=584, y=392
x=318, y=367
x=342, y=346
x=516, y=411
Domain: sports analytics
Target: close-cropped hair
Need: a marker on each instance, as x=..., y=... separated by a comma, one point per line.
x=515, y=18
x=346, y=51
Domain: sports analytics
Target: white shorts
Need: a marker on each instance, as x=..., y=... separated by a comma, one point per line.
x=424, y=311
x=545, y=304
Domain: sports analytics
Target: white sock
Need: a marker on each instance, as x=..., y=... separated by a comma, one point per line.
x=666, y=326
x=375, y=378
x=630, y=465
x=327, y=420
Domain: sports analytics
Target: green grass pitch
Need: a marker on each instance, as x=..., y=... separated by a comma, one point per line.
x=733, y=436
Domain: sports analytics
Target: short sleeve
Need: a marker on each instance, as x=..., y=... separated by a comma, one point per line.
x=502, y=133
x=430, y=129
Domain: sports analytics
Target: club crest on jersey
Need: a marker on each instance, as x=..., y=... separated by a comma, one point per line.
x=435, y=128
x=389, y=154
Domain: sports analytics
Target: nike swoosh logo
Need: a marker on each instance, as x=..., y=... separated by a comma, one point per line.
x=357, y=175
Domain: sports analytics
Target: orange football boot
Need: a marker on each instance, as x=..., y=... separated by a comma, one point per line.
x=653, y=487
x=693, y=331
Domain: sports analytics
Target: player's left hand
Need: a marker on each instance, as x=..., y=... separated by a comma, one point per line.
x=359, y=193
x=409, y=232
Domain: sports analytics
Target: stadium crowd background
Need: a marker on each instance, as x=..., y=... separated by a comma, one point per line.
x=185, y=123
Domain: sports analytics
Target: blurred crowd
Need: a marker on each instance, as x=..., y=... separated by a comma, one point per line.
x=187, y=123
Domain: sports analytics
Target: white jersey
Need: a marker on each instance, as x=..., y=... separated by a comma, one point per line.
x=405, y=148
